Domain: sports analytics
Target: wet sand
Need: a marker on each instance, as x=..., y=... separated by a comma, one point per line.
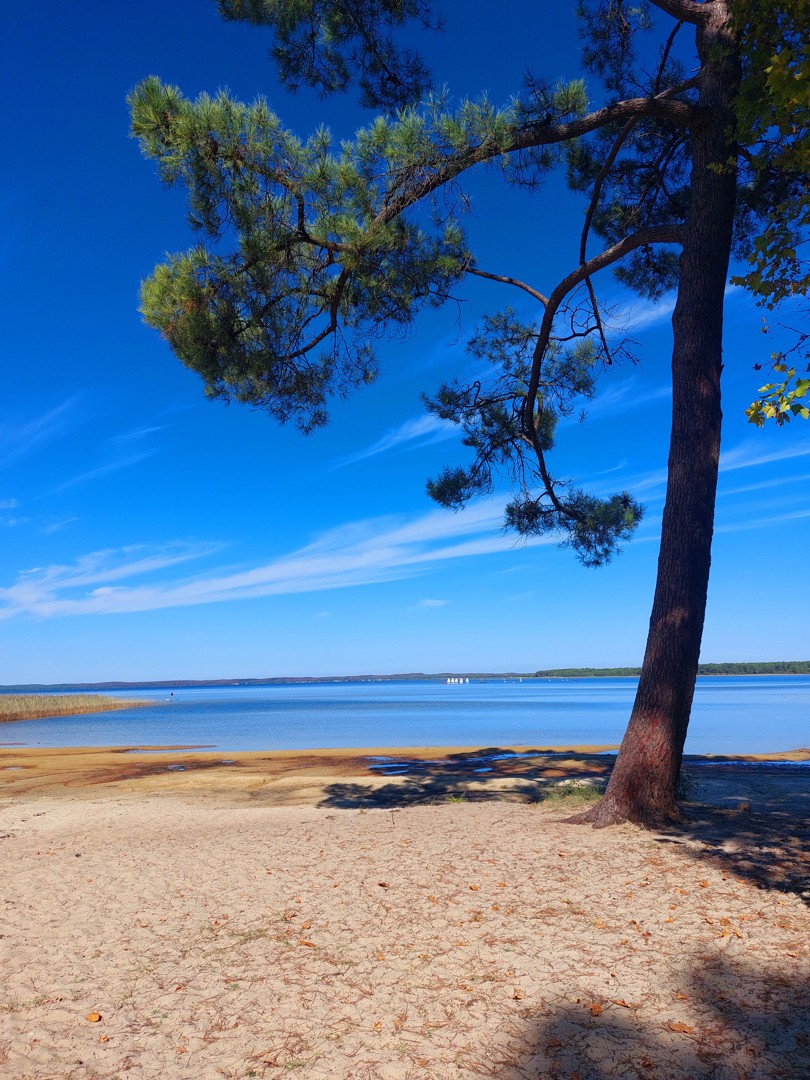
x=381, y=776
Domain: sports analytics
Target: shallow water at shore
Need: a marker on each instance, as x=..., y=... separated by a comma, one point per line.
x=731, y=715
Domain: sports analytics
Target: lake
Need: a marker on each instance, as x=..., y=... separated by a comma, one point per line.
x=731, y=715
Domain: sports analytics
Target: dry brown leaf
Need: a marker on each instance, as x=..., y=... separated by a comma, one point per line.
x=380, y=956
x=93, y=1017
x=596, y=1009
x=518, y=994
x=103, y=1039
x=383, y=884
x=704, y=884
x=378, y=1026
x=475, y=888
x=599, y=924
x=625, y=1004
x=306, y=925
x=676, y=1025
x=309, y=944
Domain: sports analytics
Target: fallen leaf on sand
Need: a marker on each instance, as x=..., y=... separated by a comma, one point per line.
x=553, y=1044
x=309, y=944
x=596, y=1009
x=383, y=884
x=676, y=1025
x=625, y=1004
x=103, y=1039
x=475, y=888
x=93, y=1017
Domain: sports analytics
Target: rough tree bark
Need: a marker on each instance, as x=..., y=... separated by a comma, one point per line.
x=642, y=787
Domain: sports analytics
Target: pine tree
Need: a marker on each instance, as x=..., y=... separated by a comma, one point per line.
x=311, y=252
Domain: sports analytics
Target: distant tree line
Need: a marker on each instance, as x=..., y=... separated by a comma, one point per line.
x=770, y=667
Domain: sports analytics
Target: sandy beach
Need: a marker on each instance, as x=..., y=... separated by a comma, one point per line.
x=298, y=914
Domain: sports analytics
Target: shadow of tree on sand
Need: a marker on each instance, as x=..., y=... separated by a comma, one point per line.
x=724, y=1019
x=770, y=849
x=490, y=774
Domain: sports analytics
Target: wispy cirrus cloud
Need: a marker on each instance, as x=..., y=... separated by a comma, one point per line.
x=122, y=451
x=135, y=434
x=630, y=395
x=360, y=553
x=19, y=439
x=763, y=521
x=57, y=526
x=116, y=465
x=414, y=433
x=640, y=314
x=750, y=452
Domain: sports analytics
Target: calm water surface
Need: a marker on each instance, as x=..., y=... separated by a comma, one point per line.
x=733, y=715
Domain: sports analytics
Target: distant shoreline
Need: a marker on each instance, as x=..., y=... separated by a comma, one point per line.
x=774, y=667
x=804, y=669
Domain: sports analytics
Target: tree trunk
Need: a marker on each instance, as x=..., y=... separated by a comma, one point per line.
x=642, y=787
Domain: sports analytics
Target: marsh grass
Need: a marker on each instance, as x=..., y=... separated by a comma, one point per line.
x=37, y=706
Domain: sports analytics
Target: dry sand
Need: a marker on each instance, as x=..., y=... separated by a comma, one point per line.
x=293, y=915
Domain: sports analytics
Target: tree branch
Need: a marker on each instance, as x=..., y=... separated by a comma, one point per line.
x=661, y=107
x=665, y=55
x=508, y=281
x=656, y=234
x=664, y=107
x=685, y=10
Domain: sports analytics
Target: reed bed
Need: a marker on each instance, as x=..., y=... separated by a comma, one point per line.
x=37, y=706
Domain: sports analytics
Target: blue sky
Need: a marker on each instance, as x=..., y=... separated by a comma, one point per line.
x=146, y=533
